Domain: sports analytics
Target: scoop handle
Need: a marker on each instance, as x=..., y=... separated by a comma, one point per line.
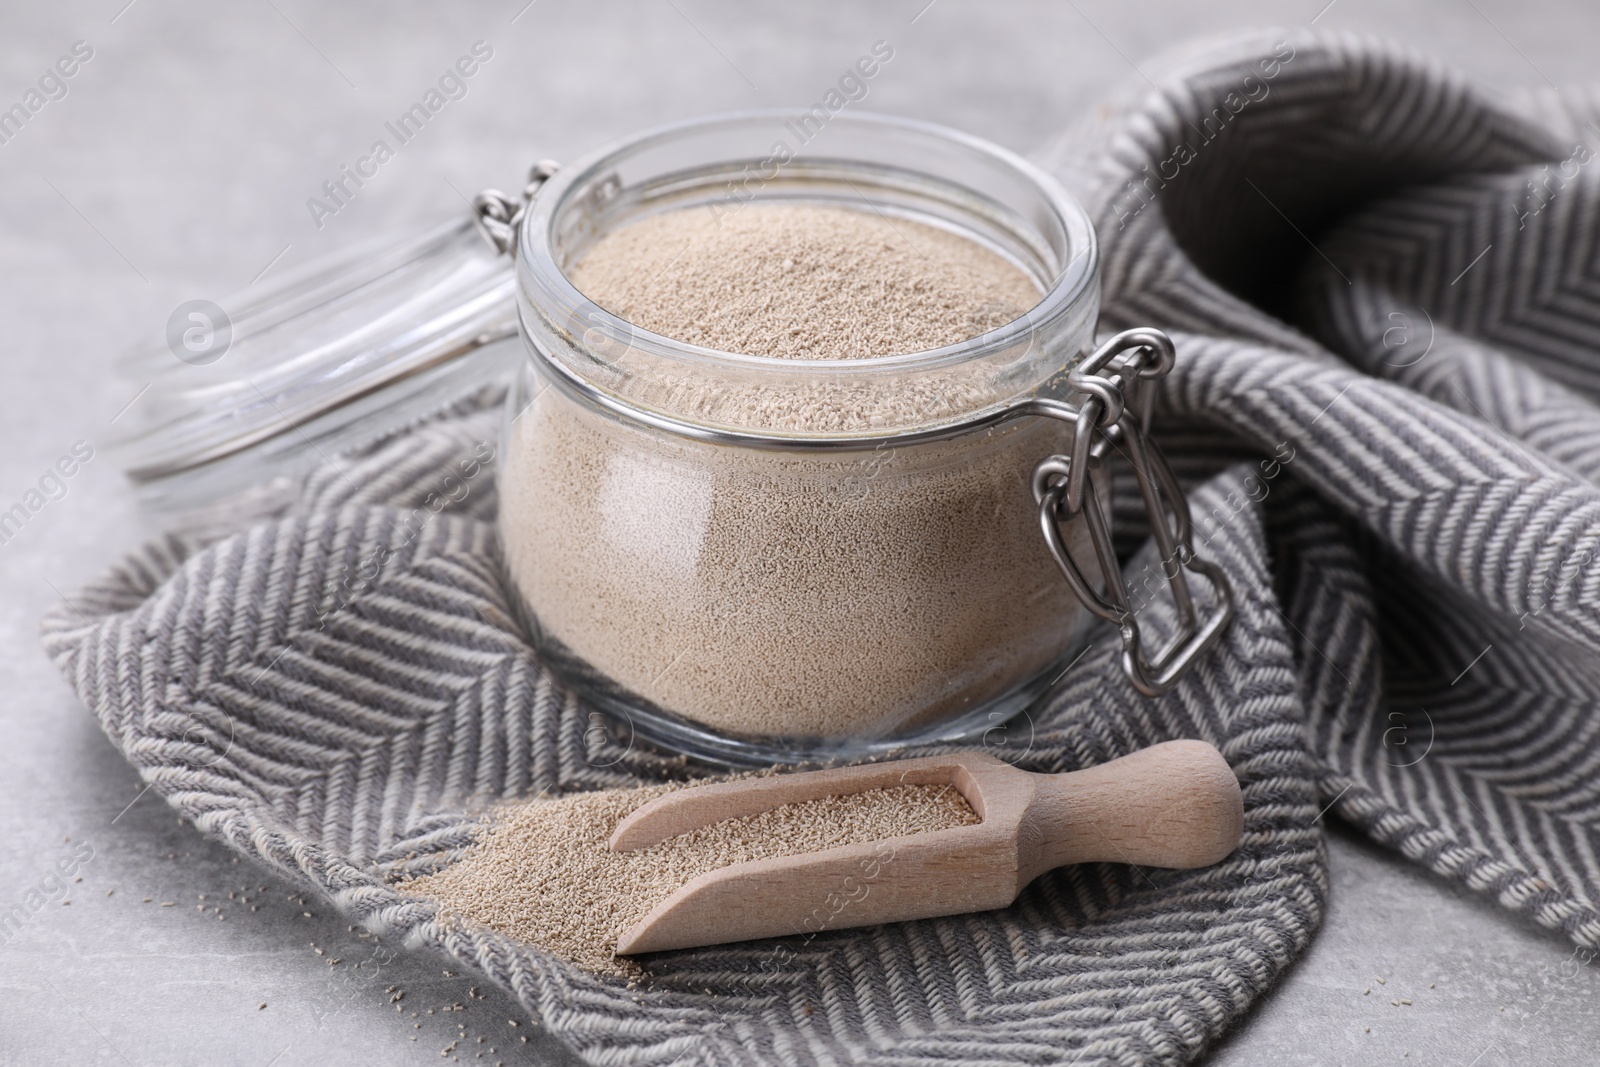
x=1176, y=804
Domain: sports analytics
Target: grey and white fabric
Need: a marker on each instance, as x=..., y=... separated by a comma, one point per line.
x=1385, y=290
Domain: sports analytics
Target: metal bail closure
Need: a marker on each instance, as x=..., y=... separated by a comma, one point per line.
x=1115, y=413
x=496, y=215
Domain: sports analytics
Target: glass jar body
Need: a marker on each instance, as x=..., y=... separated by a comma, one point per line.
x=759, y=559
x=755, y=603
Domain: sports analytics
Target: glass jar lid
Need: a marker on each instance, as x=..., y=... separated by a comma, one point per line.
x=342, y=352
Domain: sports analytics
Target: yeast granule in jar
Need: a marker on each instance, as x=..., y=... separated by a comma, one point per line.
x=803, y=282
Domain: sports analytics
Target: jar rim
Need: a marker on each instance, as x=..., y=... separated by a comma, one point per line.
x=535, y=250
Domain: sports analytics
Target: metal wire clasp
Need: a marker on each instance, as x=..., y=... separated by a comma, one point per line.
x=496, y=215
x=1115, y=413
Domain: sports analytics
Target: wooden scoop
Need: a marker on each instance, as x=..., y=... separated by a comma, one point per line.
x=1175, y=804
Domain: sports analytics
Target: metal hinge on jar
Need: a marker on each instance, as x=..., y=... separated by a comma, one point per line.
x=1115, y=383
x=496, y=215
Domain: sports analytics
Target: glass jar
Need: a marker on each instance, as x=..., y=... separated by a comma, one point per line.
x=755, y=559
x=746, y=559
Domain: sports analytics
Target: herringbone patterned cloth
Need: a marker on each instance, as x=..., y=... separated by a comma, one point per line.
x=1386, y=297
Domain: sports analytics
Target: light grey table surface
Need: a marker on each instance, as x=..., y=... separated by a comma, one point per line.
x=178, y=166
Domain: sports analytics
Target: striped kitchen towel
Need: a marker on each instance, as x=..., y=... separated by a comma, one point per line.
x=1384, y=290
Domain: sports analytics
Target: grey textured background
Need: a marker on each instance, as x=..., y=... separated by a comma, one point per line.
x=178, y=167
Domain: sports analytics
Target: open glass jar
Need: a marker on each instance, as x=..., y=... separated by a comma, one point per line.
x=755, y=559
x=746, y=559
